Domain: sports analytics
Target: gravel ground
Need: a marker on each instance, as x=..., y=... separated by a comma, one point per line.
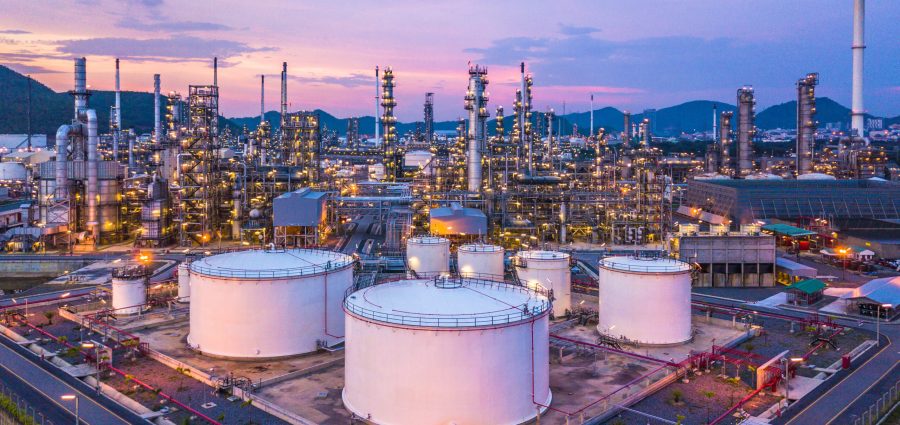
x=696, y=407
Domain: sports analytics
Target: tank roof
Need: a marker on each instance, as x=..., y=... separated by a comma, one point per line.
x=447, y=303
x=644, y=265
x=544, y=255
x=480, y=247
x=260, y=264
x=427, y=240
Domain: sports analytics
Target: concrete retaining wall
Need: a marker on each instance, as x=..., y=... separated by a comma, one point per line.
x=39, y=267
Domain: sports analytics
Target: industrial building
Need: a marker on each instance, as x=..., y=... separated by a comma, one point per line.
x=744, y=258
x=749, y=201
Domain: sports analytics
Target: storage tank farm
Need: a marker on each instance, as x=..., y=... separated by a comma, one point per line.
x=129, y=289
x=645, y=300
x=484, y=261
x=447, y=350
x=184, y=282
x=428, y=255
x=267, y=303
x=549, y=269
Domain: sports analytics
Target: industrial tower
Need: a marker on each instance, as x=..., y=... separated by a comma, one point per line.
x=390, y=150
x=806, y=121
x=476, y=103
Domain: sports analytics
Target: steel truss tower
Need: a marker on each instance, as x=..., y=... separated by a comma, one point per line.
x=429, y=118
x=391, y=152
x=198, y=174
x=303, y=143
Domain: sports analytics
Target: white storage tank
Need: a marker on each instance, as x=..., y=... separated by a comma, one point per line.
x=268, y=303
x=480, y=260
x=428, y=255
x=645, y=300
x=447, y=351
x=549, y=269
x=184, y=282
x=129, y=289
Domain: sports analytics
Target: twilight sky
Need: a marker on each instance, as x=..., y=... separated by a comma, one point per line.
x=631, y=55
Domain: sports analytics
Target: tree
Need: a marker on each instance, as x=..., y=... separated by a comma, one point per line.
x=182, y=372
x=677, y=397
x=709, y=396
x=49, y=315
x=249, y=405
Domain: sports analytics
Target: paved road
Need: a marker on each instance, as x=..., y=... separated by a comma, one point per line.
x=52, y=384
x=39, y=406
x=19, y=301
x=856, y=391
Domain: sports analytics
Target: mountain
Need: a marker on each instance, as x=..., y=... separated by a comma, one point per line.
x=51, y=109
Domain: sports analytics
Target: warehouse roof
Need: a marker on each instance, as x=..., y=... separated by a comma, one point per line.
x=787, y=230
x=879, y=291
x=795, y=269
x=809, y=286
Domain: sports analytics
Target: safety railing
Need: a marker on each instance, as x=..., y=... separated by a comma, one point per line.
x=339, y=261
x=670, y=266
x=881, y=407
x=528, y=310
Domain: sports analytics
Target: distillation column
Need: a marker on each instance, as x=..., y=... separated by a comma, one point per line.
x=389, y=121
x=429, y=118
x=725, y=167
x=476, y=104
x=806, y=121
x=746, y=130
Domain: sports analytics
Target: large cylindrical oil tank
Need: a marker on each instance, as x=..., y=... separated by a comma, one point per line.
x=549, y=269
x=184, y=282
x=129, y=289
x=267, y=303
x=645, y=300
x=428, y=255
x=480, y=260
x=447, y=351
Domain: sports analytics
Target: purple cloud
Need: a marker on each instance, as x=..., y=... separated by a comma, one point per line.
x=348, y=81
x=173, y=48
x=14, y=32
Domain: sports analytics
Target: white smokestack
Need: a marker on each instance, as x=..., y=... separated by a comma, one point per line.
x=262, y=98
x=377, y=104
x=591, y=134
x=157, y=124
x=118, y=115
x=859, y=44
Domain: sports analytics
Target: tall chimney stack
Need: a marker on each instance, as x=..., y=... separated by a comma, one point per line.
x=157, y=124
x=262, y=98
x=857, y=119
x=118, y=115
x=377, y=104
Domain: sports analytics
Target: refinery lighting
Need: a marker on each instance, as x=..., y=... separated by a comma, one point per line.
x=455, y=253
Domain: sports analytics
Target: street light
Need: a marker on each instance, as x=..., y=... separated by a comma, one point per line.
x=88, y=346
x=878, y=322
x=785, y=362
x=68, y=397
